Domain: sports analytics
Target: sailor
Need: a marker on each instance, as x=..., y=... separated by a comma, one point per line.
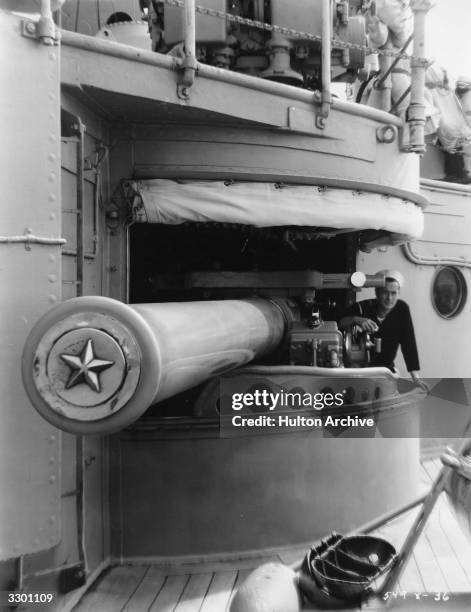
x=387, y=317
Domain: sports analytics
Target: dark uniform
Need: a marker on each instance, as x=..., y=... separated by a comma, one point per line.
x=396, y=329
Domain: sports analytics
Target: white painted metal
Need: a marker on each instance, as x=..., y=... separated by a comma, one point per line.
x=30, y=277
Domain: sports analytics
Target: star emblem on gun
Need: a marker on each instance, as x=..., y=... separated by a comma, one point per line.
x=85, y=367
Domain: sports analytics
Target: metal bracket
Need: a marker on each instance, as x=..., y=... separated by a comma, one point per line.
x=189, y=65
x=44, y=29
x=323, y=113
x=113, y=217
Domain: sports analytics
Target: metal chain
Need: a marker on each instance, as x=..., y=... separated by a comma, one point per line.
x=337, y=43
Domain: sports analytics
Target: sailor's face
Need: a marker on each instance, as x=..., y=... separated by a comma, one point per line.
x=387, y=296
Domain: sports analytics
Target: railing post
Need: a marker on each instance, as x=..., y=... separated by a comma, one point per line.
x=325, y=98
x=190, y=64
x=415, y=116
x=46, y=28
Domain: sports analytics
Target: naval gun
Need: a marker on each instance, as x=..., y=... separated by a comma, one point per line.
x=93, y=365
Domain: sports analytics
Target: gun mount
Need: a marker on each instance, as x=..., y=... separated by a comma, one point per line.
x=94, y=365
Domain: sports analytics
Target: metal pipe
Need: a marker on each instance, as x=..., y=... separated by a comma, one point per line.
x=294, y=370
x=419, y=260
x=80, y=501
x=190, y=29
x=444, y=186
x=403, y=97
x=384, y=84
x=113, y=49
x=326, y=98
x=118, y=50
x=80, y=130
x=394, y=63
x=28, y=238
x=46, y=26
x=416, y=111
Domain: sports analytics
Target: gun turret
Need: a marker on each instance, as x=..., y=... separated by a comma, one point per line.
x=94, y=365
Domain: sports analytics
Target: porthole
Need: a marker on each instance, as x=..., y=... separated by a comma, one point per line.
x=118, y=17
x=449, y=292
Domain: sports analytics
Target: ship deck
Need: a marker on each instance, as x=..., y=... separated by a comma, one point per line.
x=438, y=575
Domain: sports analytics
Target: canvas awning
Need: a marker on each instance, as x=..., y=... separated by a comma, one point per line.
x=269, y=205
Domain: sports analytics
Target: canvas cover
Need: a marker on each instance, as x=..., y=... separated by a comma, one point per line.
x=269, y=204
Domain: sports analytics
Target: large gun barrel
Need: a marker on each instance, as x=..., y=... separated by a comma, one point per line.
x=94, y=365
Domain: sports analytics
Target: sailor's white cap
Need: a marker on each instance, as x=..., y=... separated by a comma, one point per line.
x=395, y=274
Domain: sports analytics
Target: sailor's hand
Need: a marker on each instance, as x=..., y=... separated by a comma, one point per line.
x=366, y=325
x=419, y=382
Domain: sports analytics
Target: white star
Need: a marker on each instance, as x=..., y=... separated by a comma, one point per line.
x=85, y=367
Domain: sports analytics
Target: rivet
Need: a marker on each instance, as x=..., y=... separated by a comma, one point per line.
x=52, y=138
x=52, y=278
x=52, y=177
x=52, y=197
x=52, y=157
x=52, y=56
x=31, y=27
x=29, y=230
x=52, y=479
x=52, y=96
x=52, y=519
x=53, y=298
x=52, y=116
x=52, y=216
x=36, y=542
x=52, y=459
x=52, y=438
x=52, y=258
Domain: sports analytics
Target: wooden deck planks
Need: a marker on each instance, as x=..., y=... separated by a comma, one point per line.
x=113, y=590
x=142, y=598
x=194, y=593
x=436, y=535
x=170, y=593
x=429, y=568
x=219, y=592
x=456, y=538
x=411, y=579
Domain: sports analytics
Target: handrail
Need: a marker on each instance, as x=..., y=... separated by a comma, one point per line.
x=119, y=50
x=326, y=98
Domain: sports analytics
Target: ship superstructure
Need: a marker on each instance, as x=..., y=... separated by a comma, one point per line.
x=188, y=176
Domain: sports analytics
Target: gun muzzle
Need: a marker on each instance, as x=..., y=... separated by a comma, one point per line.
x=93, y=365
